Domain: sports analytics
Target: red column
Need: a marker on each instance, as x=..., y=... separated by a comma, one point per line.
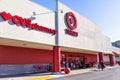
x=100, y=54
x=66, y=57
x=56, y=59
x=111, y=60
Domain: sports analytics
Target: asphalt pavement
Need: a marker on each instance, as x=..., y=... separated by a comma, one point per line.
x=107, y=74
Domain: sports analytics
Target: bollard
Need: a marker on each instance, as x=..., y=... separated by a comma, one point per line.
x=67, y=70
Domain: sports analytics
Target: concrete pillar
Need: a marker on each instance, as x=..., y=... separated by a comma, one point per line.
x=111, y=59
x=100, y=55
x=56, y=59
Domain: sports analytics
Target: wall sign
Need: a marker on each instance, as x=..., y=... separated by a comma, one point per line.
x=71, y=23
x=26, y=22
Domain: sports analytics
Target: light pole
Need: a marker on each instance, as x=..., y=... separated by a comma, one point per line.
x=56, y=48
x=56, y=23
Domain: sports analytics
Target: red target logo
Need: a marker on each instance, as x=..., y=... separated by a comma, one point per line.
x=71, y=20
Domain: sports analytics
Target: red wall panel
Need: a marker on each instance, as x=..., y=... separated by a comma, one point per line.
x=91, y=57
x=19, y=55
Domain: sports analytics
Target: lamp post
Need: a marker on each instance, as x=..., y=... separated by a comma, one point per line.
x=56, y=23
x=56, y=48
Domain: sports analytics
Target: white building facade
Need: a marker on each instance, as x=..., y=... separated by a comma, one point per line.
x=28, y=39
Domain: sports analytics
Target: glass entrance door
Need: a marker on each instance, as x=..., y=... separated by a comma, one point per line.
x=76, y=62
x=63, y=61
x=73, y=61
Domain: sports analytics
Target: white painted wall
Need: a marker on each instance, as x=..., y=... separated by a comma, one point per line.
x=25, y=9
x=89, y=34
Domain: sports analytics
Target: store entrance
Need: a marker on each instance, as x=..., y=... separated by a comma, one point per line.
x=73, y=61
x=63, y=61
x=76, y=62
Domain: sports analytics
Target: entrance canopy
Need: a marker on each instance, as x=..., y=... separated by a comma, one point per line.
x=68, y=49
x=115, y=52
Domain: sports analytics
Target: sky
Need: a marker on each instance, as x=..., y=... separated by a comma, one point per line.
x=105, y=13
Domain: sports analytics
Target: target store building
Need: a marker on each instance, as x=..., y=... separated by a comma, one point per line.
x=30, y=42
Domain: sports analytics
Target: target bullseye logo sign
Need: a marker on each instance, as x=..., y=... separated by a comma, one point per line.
x=71, y=20
x=71, y=24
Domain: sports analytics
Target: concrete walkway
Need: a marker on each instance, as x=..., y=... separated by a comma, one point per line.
x=45, y=76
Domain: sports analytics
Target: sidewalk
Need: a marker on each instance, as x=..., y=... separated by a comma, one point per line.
x=45, y=76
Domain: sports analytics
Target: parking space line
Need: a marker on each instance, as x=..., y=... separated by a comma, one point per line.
x=40, y=78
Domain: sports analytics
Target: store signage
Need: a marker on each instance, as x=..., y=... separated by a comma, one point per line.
x=71, y=23
x=26, y=22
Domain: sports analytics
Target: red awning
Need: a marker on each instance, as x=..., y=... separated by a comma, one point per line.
x=116, y=53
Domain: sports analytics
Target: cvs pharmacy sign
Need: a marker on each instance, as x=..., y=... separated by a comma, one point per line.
x=18, y=20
